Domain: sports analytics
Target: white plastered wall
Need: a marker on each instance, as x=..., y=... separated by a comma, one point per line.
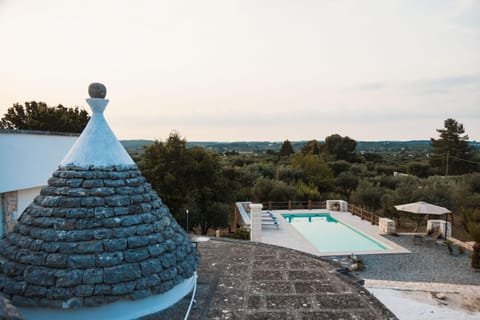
x=28, y=160
x=25, y=197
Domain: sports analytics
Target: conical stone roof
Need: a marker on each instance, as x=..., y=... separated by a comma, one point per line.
x=96, y=234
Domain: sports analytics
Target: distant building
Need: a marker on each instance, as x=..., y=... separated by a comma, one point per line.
x=27, y=160
x=247, y=153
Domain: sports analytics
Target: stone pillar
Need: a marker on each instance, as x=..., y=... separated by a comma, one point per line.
x=289, y=204
x=337, y=205
x=386, y=225
x=440, y=224
x=255, y=221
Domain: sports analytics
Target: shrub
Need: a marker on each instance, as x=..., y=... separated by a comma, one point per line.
x=242, y=234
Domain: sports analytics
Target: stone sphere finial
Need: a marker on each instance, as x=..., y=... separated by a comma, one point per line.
x=97, y=90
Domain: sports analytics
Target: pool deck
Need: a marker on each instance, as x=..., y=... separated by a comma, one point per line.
x=287, y=236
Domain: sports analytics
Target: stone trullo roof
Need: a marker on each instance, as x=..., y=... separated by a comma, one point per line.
x=96, y=234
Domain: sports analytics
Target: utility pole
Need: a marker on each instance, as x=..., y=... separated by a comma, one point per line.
x=186, y=211
x=446, y=164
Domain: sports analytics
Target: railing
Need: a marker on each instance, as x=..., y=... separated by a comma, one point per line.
x=309, y=205
x=290, y=205
x=242, y=210
x=363, y=214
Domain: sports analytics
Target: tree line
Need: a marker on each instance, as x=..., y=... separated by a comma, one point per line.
x=318, y=171
x=208, y=183
x=39, y=116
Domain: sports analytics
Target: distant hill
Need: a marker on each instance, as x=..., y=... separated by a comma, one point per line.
x=136, y=147
x=414, y=146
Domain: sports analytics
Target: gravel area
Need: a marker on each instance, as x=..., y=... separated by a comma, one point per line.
x=428, y=262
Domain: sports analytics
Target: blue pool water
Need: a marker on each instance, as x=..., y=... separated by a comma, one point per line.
x=330, y=235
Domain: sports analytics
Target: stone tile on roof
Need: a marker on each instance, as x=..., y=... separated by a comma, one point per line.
x=74, y=243
x=8, y=311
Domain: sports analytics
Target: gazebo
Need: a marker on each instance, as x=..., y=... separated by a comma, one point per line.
x=421, y=207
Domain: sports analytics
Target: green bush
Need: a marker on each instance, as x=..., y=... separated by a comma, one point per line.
x=242, y=234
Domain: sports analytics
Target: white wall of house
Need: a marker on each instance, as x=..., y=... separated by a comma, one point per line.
x=25, y=197
x=27, y=161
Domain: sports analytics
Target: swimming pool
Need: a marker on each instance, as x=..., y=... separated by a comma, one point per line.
x=329, y=235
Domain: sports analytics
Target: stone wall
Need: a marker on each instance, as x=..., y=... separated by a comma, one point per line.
x=9, y=209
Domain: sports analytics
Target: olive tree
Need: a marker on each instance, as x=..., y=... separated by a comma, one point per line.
x=38, y=116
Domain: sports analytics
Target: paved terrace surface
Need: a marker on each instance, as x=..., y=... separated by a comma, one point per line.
x=253, y=281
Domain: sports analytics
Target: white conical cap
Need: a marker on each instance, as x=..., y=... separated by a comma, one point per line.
x=97, y=146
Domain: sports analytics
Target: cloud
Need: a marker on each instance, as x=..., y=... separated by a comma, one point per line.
x=445, y=85
x=454, y=81
x=370, y=86
x=433, y=85
x=467, y=17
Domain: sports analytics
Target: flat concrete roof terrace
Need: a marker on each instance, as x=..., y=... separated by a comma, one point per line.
x=252, y=281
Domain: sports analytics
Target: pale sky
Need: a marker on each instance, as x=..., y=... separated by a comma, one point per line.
x=255, y=70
